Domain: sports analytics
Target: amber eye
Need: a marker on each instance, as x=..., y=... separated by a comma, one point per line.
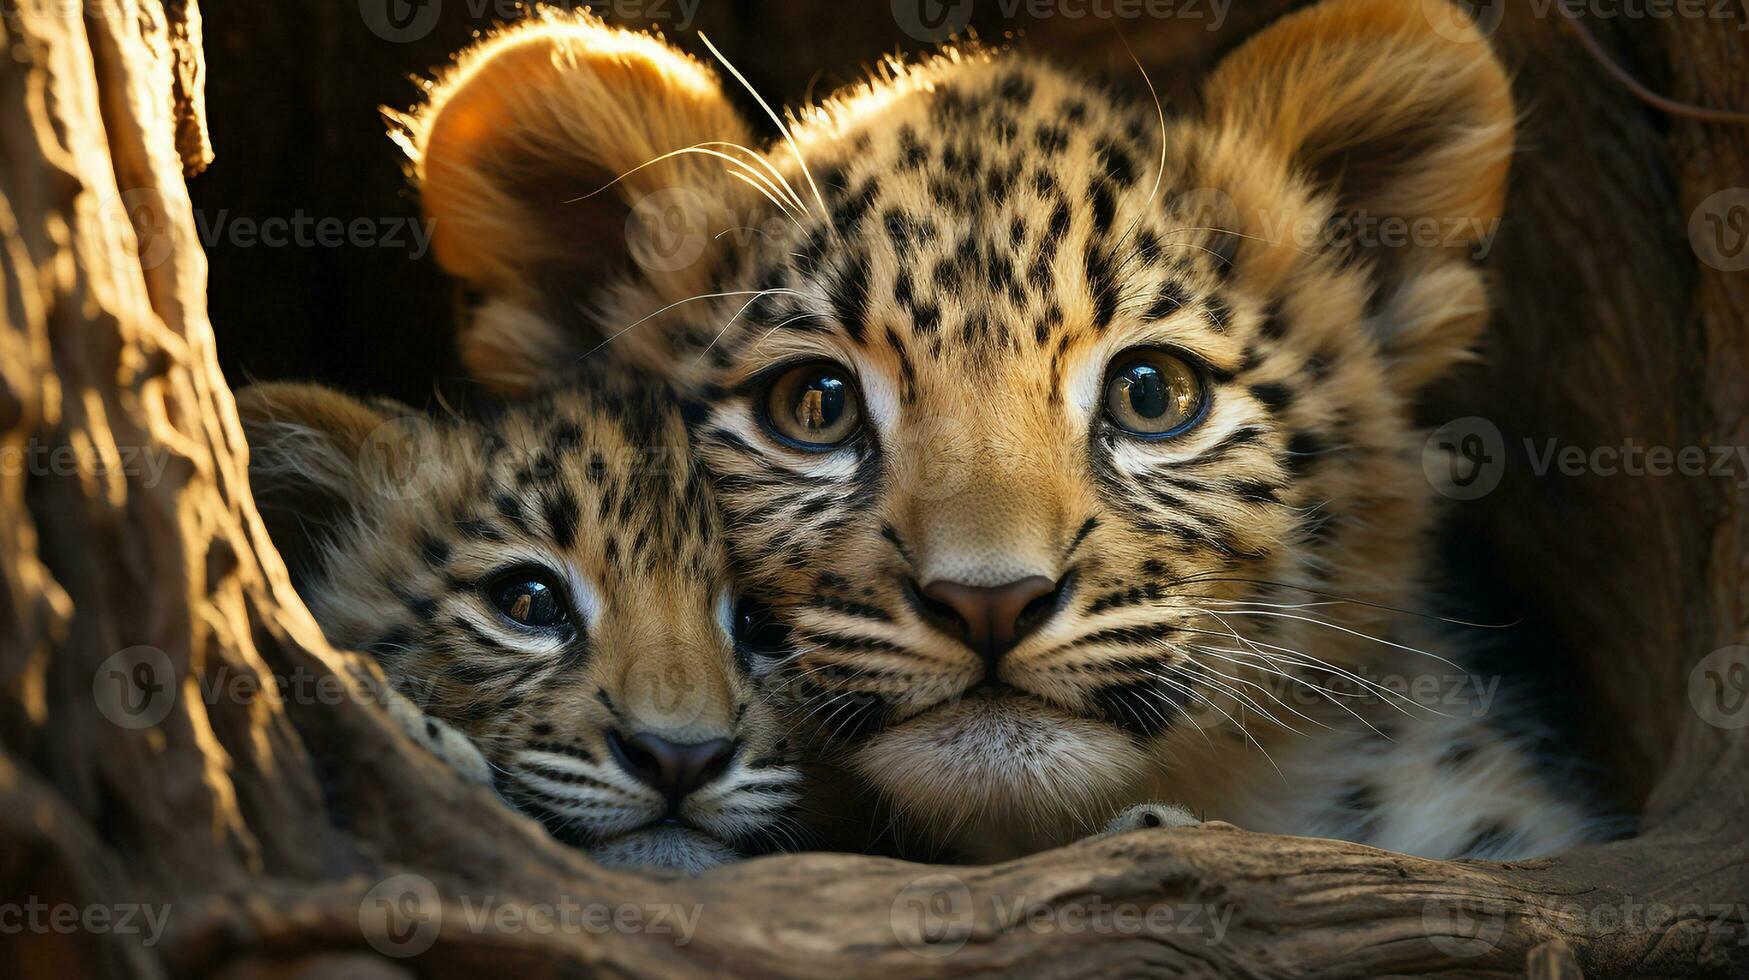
x=529, y=597
x=814, y=405
x=1153, y=393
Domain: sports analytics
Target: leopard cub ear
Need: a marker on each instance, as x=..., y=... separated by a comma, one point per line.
x=1398, y=115
x=562, y=159
x=319, y=459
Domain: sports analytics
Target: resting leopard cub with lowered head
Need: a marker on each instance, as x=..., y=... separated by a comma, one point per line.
x=548, y=580
x=1078, y=455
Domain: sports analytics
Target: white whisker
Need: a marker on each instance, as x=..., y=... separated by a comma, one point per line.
x=785, y=130
x=679, y=302
x=776, y=175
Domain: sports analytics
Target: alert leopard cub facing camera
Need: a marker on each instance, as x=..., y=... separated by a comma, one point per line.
x=544, y=587
x=1084, y=478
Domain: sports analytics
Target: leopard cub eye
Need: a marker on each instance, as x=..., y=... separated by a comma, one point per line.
x=814, y=406
x=529, y=597
x=1154, y=393
x=758, y=631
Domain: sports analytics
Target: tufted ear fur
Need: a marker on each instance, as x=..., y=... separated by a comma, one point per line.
x=312, y=461
x=1399, y=115
x=542, y=160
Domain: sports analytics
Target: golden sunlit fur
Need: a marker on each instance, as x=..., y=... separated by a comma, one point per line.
x=397, y=526
x=977, y=240
x=516, y=169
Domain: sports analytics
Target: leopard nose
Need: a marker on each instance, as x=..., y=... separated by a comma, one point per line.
x=993, y=618
x=673, y=769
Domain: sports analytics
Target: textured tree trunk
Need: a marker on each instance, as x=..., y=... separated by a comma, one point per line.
x=181, y=748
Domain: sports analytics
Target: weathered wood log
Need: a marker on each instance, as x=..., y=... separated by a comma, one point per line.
x=181, y=747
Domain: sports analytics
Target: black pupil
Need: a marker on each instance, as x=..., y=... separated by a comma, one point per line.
x=529, y=601
x=1145, y=386
x=758, y=630
x=820, y=403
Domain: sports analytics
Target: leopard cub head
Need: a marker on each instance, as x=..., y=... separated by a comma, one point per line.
x=1047, y=416
x=548, y=578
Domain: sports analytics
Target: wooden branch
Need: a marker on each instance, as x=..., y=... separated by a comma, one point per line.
x=178, y=739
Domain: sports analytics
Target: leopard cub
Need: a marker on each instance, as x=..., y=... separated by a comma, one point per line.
x=545, y=588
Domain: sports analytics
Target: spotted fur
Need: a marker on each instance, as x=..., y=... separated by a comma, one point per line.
x=397, y=525
x=976, y=238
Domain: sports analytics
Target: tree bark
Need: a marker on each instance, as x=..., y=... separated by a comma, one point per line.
x=179, y=740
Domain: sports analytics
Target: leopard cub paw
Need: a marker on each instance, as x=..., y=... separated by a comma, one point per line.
x=1145, y=816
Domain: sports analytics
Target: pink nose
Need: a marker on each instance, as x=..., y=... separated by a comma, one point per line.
x=993, y=618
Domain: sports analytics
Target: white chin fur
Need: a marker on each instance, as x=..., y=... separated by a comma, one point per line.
x=1004, y=776
x=673, y=848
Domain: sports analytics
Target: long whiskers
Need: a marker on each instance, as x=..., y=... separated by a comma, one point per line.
x=777, y=176
x=1332, y=596
x=679, y=302
x=1239, y=726
x=753, y=177
x=1204, y=667
x=1344, y=629
x=788, y=136
x=761, y=294
x=1301, y=659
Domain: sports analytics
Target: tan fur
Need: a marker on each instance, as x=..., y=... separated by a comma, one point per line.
x=397, y=525
x=990, y=235
x=531, y=148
